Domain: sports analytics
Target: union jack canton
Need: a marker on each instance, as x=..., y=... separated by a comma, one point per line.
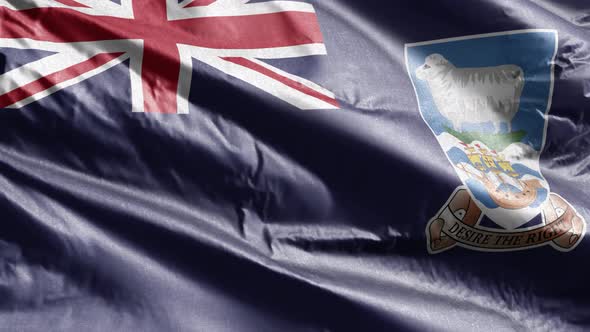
x=160, y=39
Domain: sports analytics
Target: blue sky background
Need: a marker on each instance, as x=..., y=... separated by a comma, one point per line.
x=532, y=51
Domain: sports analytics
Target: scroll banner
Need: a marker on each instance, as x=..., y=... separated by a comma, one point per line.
x=456, y=224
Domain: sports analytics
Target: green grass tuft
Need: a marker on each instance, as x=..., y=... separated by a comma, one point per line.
x=496, y=142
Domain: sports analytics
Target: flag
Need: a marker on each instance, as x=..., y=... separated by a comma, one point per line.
x=335, y=165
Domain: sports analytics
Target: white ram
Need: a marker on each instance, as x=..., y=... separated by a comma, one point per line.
x=473, y=95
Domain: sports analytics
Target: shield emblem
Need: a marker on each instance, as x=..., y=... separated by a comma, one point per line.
x=486, y=99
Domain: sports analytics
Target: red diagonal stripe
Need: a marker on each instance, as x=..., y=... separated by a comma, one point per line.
x=48, y=81
x=199, y=3
x=72, y=3
x=285, y=80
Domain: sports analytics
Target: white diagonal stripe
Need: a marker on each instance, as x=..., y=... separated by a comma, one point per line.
x=97, y=7
x=259, y=80
x=70, y=82
x=67, y=55
x=235, y=8
x=301, y=80
x=33, y=71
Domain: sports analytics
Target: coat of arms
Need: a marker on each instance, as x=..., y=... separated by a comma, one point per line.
x=486, y=99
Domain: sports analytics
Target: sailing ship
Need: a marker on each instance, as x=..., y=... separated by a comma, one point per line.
x=502, y=182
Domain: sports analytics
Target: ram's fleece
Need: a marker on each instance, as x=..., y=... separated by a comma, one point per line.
x=473, y=95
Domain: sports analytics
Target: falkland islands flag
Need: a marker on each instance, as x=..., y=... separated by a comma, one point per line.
x=294, y=165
